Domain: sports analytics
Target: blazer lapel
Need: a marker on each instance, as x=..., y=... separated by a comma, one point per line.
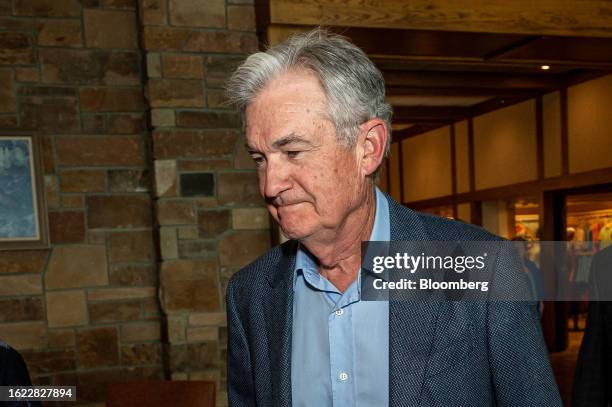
x=411, y=323
x=279, y=324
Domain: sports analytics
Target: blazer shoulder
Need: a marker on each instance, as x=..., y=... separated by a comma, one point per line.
x=262, y=268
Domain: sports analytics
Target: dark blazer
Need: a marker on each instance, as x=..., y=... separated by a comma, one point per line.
x=442, y=353
x=593, y=376
x=14, y=372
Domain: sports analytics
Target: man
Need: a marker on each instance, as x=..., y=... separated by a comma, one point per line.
x=593, y=377
x=318, y=128
x=14, y=372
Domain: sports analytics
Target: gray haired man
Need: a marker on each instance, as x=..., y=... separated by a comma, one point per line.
x=318, y=127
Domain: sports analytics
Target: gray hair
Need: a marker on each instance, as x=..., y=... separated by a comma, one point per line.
x=354, y=87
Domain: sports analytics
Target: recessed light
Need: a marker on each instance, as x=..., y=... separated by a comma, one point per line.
x=545, y=67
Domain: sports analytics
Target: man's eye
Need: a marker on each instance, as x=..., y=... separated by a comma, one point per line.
x=293, y=154
x=259, y=160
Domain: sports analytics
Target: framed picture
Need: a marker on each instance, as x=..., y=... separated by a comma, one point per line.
x=23, y=218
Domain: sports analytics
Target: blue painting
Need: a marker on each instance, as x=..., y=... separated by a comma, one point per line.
x=18, y=212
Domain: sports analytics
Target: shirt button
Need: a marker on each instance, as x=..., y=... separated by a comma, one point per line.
x=343, y=376
x=339, y=311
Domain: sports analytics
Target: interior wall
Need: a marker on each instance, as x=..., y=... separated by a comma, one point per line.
x=427, y=165
x=551, y=116
x=589, y=127
x=462, y=156
x=505, y=146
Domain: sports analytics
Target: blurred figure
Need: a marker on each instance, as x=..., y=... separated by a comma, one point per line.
x=536, y=281
x=14, y=372
x=593, y=377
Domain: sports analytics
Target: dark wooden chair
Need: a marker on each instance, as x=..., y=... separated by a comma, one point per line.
x=161, y=393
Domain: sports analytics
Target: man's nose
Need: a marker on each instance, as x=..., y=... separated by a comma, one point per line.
x=276, y=180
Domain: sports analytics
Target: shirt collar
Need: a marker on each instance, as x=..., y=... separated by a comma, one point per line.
x=381, y=231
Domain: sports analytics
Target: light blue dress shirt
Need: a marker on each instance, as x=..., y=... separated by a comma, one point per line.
x=340, y=344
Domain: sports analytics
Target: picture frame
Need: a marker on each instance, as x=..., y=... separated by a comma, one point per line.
x=23, y=214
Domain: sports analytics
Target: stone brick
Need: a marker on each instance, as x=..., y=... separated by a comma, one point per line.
x=22, y=284
x=66, y=308
x=100, y=150
x=90, y=67
x=176, y=93
x=205, y=333
x=110, y=28
x=216, y=98
x=8, y=100
x=197, y=249
x=93, y=123
x=31, y=335
x=47, y=91
x=14, y=24
x=21, y=309
x=189, y=285
x=111, y=100
x=120, y=4
x=241, y=18
x=16, y=49
x=204, y=165
x=49, y=361
x=238, y=188
x=72, y=201
x=153, y=65
x=140, y=332
x=130, y=246
x=96, y=237
x=82, y=181
x=208, y=319
x=177, y=328
x=77, y=266
x=128, y=180
x=66, y=227
x=165, y=38
x=126, y=123
x=124, y=293
x=102, y=312
x=50, y=114
x=97, y=347
x=47, y=8
x=162, y=117
x=8, y=121
x=188, y=232
x=197, y=184
x=214, y=223
x=23, y=261
x=154, y=11
x=27, y=74
x=141, y=354
x=250, y=218
x=61, y=338
x=48, y=154
x=241, y=248
x=219, y=69
x=168, y=243
x=182, y=66
x=175, y=213
x=194, y=356
x=206, y=13
x=60, y=33
x=132, y=275
x=207, y=120
x=51, y=191
x=222, y=41
x=193, y=143
x=119, y=211
x=165, y=178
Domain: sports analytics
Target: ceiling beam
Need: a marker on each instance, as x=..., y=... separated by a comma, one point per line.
x=416, y=114
x=545, y=17
x=471, y=80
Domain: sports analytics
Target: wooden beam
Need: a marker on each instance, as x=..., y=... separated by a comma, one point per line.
x=472, y=80
x=539, y=106
x=415, y=130
x=564, y=132
x=450, y=91
x=545, y=17
x=443, y=114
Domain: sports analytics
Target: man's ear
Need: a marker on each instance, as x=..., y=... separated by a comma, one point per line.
x=374, y=136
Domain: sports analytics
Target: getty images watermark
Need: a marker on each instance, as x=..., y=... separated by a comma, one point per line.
x=485, y=270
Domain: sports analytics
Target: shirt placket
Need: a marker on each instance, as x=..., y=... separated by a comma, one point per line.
x=341, y=351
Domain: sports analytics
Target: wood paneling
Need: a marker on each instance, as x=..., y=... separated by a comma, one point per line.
x=544, y=17
x=551, y=106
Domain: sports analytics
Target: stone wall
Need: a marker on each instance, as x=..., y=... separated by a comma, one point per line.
x=152, y=203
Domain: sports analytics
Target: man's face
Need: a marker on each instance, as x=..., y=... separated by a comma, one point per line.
x=310, y=182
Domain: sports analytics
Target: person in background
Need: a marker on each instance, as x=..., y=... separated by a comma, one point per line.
x=14, y=372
